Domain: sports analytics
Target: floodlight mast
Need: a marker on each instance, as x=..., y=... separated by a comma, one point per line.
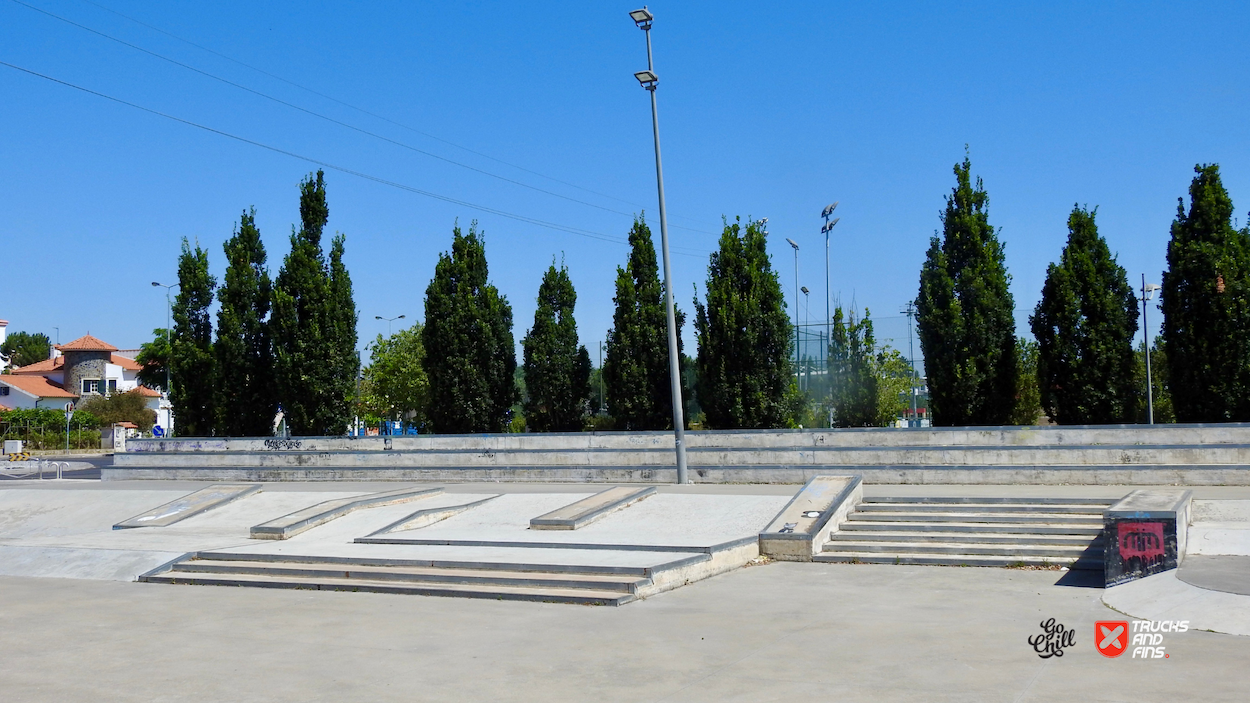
x=648, y=79
x=826, y=230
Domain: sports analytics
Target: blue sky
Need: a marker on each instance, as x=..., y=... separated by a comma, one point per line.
x=765, y=111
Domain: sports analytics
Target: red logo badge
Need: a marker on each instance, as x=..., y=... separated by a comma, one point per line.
x=1111, y=637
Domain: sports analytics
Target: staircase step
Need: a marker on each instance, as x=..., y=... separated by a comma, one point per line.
x=991, y=500
x=992, y=508
x=953, y=547
x=976, y=517
x=485, y=566
x=418, y=575
x=957, y=559
x=1063, y=528
x=978, y=537
x=495, y=592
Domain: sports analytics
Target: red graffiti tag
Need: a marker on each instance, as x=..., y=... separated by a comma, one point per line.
x=1140, y=539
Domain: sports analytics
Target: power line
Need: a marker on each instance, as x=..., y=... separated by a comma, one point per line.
x=325, y=164
x=339, y=122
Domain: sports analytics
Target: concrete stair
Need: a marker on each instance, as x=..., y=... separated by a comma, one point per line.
x=542, y=583
x=964, y=531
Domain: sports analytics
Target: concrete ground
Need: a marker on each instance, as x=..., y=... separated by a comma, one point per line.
x=778, y=632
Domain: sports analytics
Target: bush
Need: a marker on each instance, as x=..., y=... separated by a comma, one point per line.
x=130, y=406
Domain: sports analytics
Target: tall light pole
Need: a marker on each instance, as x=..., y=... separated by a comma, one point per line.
x=796, y=306
x=643, y=18
x=389, y=320
x=169, y=358
x=910, y=311
x=807, y=314
x=827, y=229
x=1147, y=293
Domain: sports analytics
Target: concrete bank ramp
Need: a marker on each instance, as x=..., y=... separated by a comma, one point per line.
x=800, y=529
x=191, y=504
x=429, y=516
x=588, y=510
x=1165, y=597
x=299, y=521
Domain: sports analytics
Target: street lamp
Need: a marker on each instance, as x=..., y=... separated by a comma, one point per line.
x=796, y=306
x=807, y=315
x=389, y=320
x=649, y=80
x=169, y=357
x=826, y=230
x=1147, y=293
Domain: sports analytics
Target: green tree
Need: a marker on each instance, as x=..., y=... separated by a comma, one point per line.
x=192, y=365
x=470, y=354
x=636, y=367
x=557, y=368
x=1084, y=325
x=154, y=358
x=856, y=384
x=1028, y=408
x=1206, y=306
x=745, y=338
x=964, y=314
x=342, y=317
x=246, y=400
x=26, y=348
x=894, y=379
x=315, y=381
x=1160, y=393
x=395, y=383
x=130, y=406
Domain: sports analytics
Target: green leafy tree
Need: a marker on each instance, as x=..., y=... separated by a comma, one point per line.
x=1084, y=325
x=154, y=358
x=314, y=373
x=130, y=406
x=246, y=400
x=470, y=354
x=636, y=367
x=192, y=363
x=894, y=379
x=1028, y=409
x=557, y=368
x=395, y=383
x=745, y=338
x=851, y=370
x=26, y=348
x=965, y=314
x=1206, y=306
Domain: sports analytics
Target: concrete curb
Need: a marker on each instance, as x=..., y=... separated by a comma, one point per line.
x=303, y=520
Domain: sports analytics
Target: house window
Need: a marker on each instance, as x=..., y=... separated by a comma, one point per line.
x=90, y=385
x=112, y=385
x=4, y=390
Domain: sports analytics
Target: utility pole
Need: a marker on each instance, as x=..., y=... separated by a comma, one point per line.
x=1147, y=294
x=796, y=307
x=910, y=311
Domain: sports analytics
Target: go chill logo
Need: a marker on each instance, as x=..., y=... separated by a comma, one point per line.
x=1144, y=637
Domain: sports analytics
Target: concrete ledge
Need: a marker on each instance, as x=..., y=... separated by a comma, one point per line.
x=798, y=532
x=299, y=521
x=694, y=549
x=1144, y=534
x=588, y=510
x=923, y=474
x=191, y=504
x=429, y=516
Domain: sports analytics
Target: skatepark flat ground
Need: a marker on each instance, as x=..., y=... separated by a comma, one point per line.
x=781, y=631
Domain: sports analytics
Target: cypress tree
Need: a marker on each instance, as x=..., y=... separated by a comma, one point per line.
x=314, y=382
x=1206, y=306
x=851, y=371
x=342, y=317
x=470, y=355
x=965, y=314
x=245, y=400
x=192, y=368
x=557, y=369
x=635, y=369
x=744, y=375
x=1084, y=326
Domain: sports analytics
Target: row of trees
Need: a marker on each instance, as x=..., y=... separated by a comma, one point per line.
x=1083, y=368
x=289, y=343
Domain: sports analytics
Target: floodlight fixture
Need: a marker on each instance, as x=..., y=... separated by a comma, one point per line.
x=829, y=209
x=805, y=290
x=648, y=79
x=793, y=243
x=642, y=18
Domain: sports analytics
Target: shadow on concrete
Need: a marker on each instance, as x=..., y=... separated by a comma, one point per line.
x=1081, y=578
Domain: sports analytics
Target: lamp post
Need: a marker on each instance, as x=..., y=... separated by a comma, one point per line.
x=827, y=229
x=389, y=320
x=910, y=310
x=807, y=315
x=796, y=306
x=1147, y=293
x=169, y=358
x=643, y=18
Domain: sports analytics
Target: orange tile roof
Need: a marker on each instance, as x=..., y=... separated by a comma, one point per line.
x=37, y=386
x=125, y=362
x=87, y=343
x=42, y=367
x=147, y=392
